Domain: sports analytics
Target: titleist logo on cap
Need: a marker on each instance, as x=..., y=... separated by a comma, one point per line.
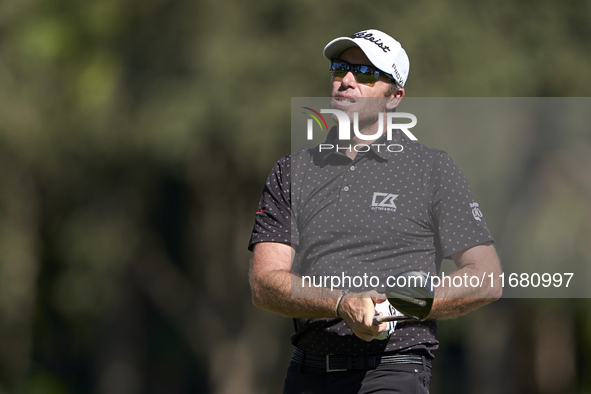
x=369, y=36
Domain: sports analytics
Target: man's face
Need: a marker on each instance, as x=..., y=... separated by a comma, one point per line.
x=348, y=85
x=350, y=96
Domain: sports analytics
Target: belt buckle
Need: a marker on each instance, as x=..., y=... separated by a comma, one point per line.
x=328, y=365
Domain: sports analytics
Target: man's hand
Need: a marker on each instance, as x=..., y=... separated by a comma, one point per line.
x=358, y=310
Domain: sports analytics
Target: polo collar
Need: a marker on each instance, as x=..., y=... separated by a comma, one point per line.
x=377, y=149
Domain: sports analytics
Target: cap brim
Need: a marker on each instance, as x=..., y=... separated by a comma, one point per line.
x=337, y=46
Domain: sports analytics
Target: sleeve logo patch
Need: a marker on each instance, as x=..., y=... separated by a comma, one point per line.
x=476, y=211
x=383, y=202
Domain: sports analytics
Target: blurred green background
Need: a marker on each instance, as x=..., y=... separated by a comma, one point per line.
x=135, y=139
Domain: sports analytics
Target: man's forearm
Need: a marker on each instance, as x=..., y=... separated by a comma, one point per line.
x=276, y=289
x=273, y=292
x=452, y=301
x=449, y=303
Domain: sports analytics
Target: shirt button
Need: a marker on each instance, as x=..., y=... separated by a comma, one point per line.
x=346, y=188
x=352, y=168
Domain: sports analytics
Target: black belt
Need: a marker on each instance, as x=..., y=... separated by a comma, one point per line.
x=336, y=362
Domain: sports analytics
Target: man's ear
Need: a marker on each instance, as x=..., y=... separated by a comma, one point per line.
x=395, y=99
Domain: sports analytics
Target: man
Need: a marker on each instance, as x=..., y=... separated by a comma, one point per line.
x=324, y=212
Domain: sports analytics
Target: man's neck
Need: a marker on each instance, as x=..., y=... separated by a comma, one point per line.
x=369, y=130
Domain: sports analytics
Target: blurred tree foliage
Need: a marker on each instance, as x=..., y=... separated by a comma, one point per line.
x=135, y=138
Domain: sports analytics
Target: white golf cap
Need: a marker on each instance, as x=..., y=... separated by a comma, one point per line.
x=384, y=52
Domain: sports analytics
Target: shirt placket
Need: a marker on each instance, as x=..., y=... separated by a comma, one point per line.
x=349, y=183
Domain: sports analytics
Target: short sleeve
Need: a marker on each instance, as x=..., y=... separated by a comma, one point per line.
x=458, y=220
x=273, y=219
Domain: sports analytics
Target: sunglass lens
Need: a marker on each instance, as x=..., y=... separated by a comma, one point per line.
x=364, y=74
x=339, y=69
x=339, y=73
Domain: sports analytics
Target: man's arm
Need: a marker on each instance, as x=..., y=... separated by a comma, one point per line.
x=477, y=261
x=271, y=284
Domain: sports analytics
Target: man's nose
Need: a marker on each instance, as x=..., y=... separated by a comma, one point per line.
x=349, y=79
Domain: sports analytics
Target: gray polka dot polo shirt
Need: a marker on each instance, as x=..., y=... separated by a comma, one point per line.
x=384, y=212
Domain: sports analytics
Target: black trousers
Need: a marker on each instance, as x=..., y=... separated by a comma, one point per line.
x=385, y=379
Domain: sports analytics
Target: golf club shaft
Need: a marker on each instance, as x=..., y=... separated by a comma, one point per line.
x=382, y=319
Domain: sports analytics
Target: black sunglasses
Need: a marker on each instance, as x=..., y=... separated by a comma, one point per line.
x=367, y=75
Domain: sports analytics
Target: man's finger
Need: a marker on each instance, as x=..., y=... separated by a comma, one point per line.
x=365, y=337
x=376, y=297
